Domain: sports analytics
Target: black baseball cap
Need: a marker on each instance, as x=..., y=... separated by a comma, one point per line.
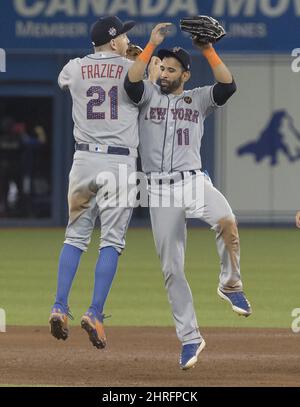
x=108, y=28
x=179, y=53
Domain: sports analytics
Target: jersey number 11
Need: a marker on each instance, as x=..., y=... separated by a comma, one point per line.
x=183, y=137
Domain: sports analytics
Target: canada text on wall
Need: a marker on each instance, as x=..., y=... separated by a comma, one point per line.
x=60, y=24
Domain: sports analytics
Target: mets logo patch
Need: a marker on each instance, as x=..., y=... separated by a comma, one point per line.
x=188, y=100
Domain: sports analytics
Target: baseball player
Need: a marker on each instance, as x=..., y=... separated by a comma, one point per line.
x=170, y=129
x=106, y=135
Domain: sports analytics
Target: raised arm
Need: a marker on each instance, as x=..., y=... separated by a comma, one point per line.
x=220, y=70
x=225, y=86
x=158, y=34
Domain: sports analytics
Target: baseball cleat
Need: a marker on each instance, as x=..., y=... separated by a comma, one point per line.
x=189, y=354
x=238, y=302
x=94, y=327
x=59, y=322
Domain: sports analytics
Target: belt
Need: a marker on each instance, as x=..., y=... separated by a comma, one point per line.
x=178, y=176
x=105, y=149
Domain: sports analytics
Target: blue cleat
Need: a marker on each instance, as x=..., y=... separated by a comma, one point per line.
x=238, y=302
x=189, y=354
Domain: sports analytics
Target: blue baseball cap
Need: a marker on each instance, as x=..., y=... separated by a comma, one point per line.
x=178, y=53
x=108, y=28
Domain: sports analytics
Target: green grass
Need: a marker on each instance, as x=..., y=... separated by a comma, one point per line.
x=270, y=271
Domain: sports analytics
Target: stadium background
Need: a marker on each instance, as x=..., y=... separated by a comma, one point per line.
x=251, y=150
x=39, y=37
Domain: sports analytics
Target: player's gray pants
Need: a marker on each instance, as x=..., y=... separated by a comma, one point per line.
x=169, y=230
x=92, y=193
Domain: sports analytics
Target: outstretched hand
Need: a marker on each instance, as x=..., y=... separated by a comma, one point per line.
x=159, y=33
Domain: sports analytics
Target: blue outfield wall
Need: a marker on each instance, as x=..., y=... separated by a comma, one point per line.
x=40, y=36
x=252, y=25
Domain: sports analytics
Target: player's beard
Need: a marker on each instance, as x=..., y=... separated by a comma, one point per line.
x=170, y=87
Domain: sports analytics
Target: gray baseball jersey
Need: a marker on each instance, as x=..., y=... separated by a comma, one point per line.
x=171, y=128
x=102, y=111
x=102, y=114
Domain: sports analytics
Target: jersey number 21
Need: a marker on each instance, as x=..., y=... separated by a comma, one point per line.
x=97, y=101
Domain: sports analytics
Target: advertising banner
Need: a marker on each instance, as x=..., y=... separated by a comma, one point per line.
x=263, y=25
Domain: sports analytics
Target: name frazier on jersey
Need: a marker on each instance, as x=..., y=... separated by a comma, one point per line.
x=101, y=71
x=160, y=113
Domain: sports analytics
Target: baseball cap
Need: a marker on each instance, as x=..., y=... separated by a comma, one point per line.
x=108, y=28
x=179, y=53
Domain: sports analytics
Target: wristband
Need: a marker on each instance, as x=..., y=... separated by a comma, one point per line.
x=146, y=55
x=212, y=57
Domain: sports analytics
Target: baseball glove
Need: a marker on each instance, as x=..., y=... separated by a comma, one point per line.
x=133, y=51
x=203, y=29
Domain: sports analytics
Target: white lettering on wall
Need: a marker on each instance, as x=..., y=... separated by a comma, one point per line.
x=66, y=7
x=153, y=8
x=274, y=10
x=25, y=10
x=97, y=7
x=234, y=7
x=178, y=6
x=249, y=8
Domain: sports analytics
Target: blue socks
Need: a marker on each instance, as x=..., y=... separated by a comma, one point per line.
x=68, y=265
x=106, y=268
x=105, y=271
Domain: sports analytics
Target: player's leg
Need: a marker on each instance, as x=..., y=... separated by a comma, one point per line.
x=77, y=239
x=169, y=231
x=114, y=220
x=114, y=223
x=218, y=213
x=83, y=211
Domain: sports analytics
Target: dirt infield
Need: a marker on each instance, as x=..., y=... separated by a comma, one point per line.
x=148, y=357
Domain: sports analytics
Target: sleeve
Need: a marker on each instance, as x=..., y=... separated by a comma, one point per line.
x=134, y=90
x=148, y=92
x=64, y=78
x=206, y=100
x=223, y=91
x=139, y=92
